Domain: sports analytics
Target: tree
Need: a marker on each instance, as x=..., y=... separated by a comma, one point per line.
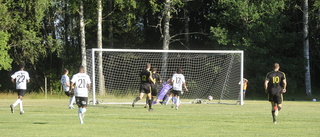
x=83, y=37
x=99, y=41
x=5, y=59
x=306, y=46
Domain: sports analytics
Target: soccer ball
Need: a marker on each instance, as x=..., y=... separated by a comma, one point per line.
x=210, y=98
x=314, y=100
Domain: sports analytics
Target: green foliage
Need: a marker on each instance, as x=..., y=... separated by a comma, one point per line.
x=5, y=60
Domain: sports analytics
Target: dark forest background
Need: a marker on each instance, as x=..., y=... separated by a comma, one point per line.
x=45, y=34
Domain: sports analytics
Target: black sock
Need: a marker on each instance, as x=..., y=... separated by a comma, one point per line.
x=137, y=99
x=147, y=101
x=279, y=108
x=273, y=116
x=150, y=103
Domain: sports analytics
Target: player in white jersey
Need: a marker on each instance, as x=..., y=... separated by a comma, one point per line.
x=82, y=87
x=178, y=81
x=21, y=78
x=65, y=81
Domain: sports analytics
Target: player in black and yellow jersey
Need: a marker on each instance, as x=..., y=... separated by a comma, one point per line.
x=145, y=86
x=275, y=85
x=157, y=79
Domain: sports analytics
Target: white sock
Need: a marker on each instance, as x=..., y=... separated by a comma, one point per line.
x=167, y=100
x=178, y=102
x=71, y=100
x=84, y=110
x=80, y=115
x=174, y=100
x=21, y=107
x=16, y=103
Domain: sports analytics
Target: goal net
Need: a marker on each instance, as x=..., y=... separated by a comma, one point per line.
x=115, y=72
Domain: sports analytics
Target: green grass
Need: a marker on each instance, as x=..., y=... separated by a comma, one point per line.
x=52, y=117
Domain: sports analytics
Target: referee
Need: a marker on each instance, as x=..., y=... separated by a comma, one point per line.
x=275, y=85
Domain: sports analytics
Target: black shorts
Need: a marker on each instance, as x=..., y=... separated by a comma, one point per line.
x=145, y=88
x=176, y=93
x=82, y=101
x=21, y=92
x=276, y=98
x=154, y=89
x=69, y=93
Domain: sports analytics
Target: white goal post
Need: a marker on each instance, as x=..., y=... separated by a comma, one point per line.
x=216, y=73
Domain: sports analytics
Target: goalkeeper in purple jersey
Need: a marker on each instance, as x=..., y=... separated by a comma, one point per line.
x=165, y=88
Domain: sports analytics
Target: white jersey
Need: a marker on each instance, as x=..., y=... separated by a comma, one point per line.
x=64, y=80
x=178, y=80
x=21, y=78
x=82, y=80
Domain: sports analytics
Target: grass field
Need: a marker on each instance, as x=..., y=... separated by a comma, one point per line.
x=52, y=117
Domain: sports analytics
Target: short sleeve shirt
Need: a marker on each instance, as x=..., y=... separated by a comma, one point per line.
x=81, y=81
x=178, y=80
x=65, y=79
x=21, y=78
x=275, y=79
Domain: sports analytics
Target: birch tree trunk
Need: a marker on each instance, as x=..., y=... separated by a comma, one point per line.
x=306, y=46
x=186, y=25
x=83, y=37
x=109, y=22
x=166, y=29
x=166, y=37
x=99, y=42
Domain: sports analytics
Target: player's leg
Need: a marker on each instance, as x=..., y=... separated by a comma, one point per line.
x=150, y=101
x=280, y=100
x=16, y=102
x=21, y=94
x=21, y=106
x=178, y=99
x=71, y=100
x=142, y=91
x=78, y=102
x=84, y=102
x=168, y=98
x=273, y=111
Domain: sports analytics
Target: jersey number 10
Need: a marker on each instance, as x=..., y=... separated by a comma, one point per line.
x=276, y=79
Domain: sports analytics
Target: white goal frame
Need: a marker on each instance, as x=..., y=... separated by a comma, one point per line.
x=94, y=50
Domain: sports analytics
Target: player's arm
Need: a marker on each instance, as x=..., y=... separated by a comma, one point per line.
x=89, y=87
x=151, y=79
x=284, y=86
x=185, y=86
x=67, y=84
x=71, y=86
x=13, y=77
x=266, y=82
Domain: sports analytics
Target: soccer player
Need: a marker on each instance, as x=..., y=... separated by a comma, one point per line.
x=65, y=81
x=154, y=87
x=163, y=92
x=245, y=85
x=21, y=78
x=275, y=85
x=178, y=81
x=82, y=87
x=145, y=86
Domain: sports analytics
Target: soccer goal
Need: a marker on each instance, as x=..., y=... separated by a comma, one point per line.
x=216, y=73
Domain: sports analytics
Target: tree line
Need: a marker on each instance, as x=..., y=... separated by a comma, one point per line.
x=49, y=35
